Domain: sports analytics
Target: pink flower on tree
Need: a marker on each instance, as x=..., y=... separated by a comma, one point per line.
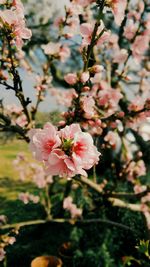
x=118, y=9
x=71, y=207
x=130, y=29
x=135, y=170
x=2, y=254
x=88, y=103
x=51, y=48
x=140, y=45
x=14, y=19
x=84, y=77
x=2, y=2
x=19, y=7
x=71, y=78
x=83, y=2
x=57, y=50
x=66, y=152
x=26, y=198
x=120, y=56
x=136, y=104
x=43, y=141
x=108, y=98
x=114, y=140
x=64, y=53
x=86, y=30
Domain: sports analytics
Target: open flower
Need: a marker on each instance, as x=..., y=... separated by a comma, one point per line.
x=14, y=19
x=118, y=8
x=88, y=104
x=71, y=207
x=43, y=141
x=66, y=152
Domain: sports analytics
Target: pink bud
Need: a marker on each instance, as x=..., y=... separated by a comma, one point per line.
x=120, y=114
x=97, y=68
x=98, y=122
x=84, y=77
x=62, y=123
x=71, y=78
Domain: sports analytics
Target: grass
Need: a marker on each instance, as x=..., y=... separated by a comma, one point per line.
x=8, y=153
x=10, y=186
x=35, y=240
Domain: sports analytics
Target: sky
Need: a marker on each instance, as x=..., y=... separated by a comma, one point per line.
x=8, y=96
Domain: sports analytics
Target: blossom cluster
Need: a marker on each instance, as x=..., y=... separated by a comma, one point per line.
x=66, y=152
x=16, y=114
x=94, y=60
x=33, y=171
x=71, y=207
x=5, y=240
x=12, y=19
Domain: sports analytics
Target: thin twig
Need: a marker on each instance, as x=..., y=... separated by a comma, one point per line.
x=61, y=220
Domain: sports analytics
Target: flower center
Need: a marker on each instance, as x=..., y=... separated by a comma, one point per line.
x=67, y=146
x=49, y=145
x=79, y=148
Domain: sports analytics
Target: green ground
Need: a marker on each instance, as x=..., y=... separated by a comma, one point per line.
x=8, y=152
x=100, y=242
x=10, y=185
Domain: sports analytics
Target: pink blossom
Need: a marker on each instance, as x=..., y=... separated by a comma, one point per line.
x=2, y=254
x=86, y=30
x=57, y=50
x=83, y=2
x=64, y=53
x=43, y=141
x=21, y=120
x=19, y=7
x=118, y=9
x=145, y=198
x=84, y=154
x=96, y=68
x=108, y=98
x=64, y=97
x=97, y=78
x=138, y=188
x=66, y=152
x=88, y=103
x=136, y=104
x=2, y=2
x=67, y=203
x=39, y=177
x=14, y=17
x=51, y=48
x=141, y=7
x=71, y=78
x=114, y=140
x=84, y=77
x=120, y=56
x=130, y=29
x=26, y=198
x=135, y=170
x=10, y=109
x=140, y=45
x=72, y=208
